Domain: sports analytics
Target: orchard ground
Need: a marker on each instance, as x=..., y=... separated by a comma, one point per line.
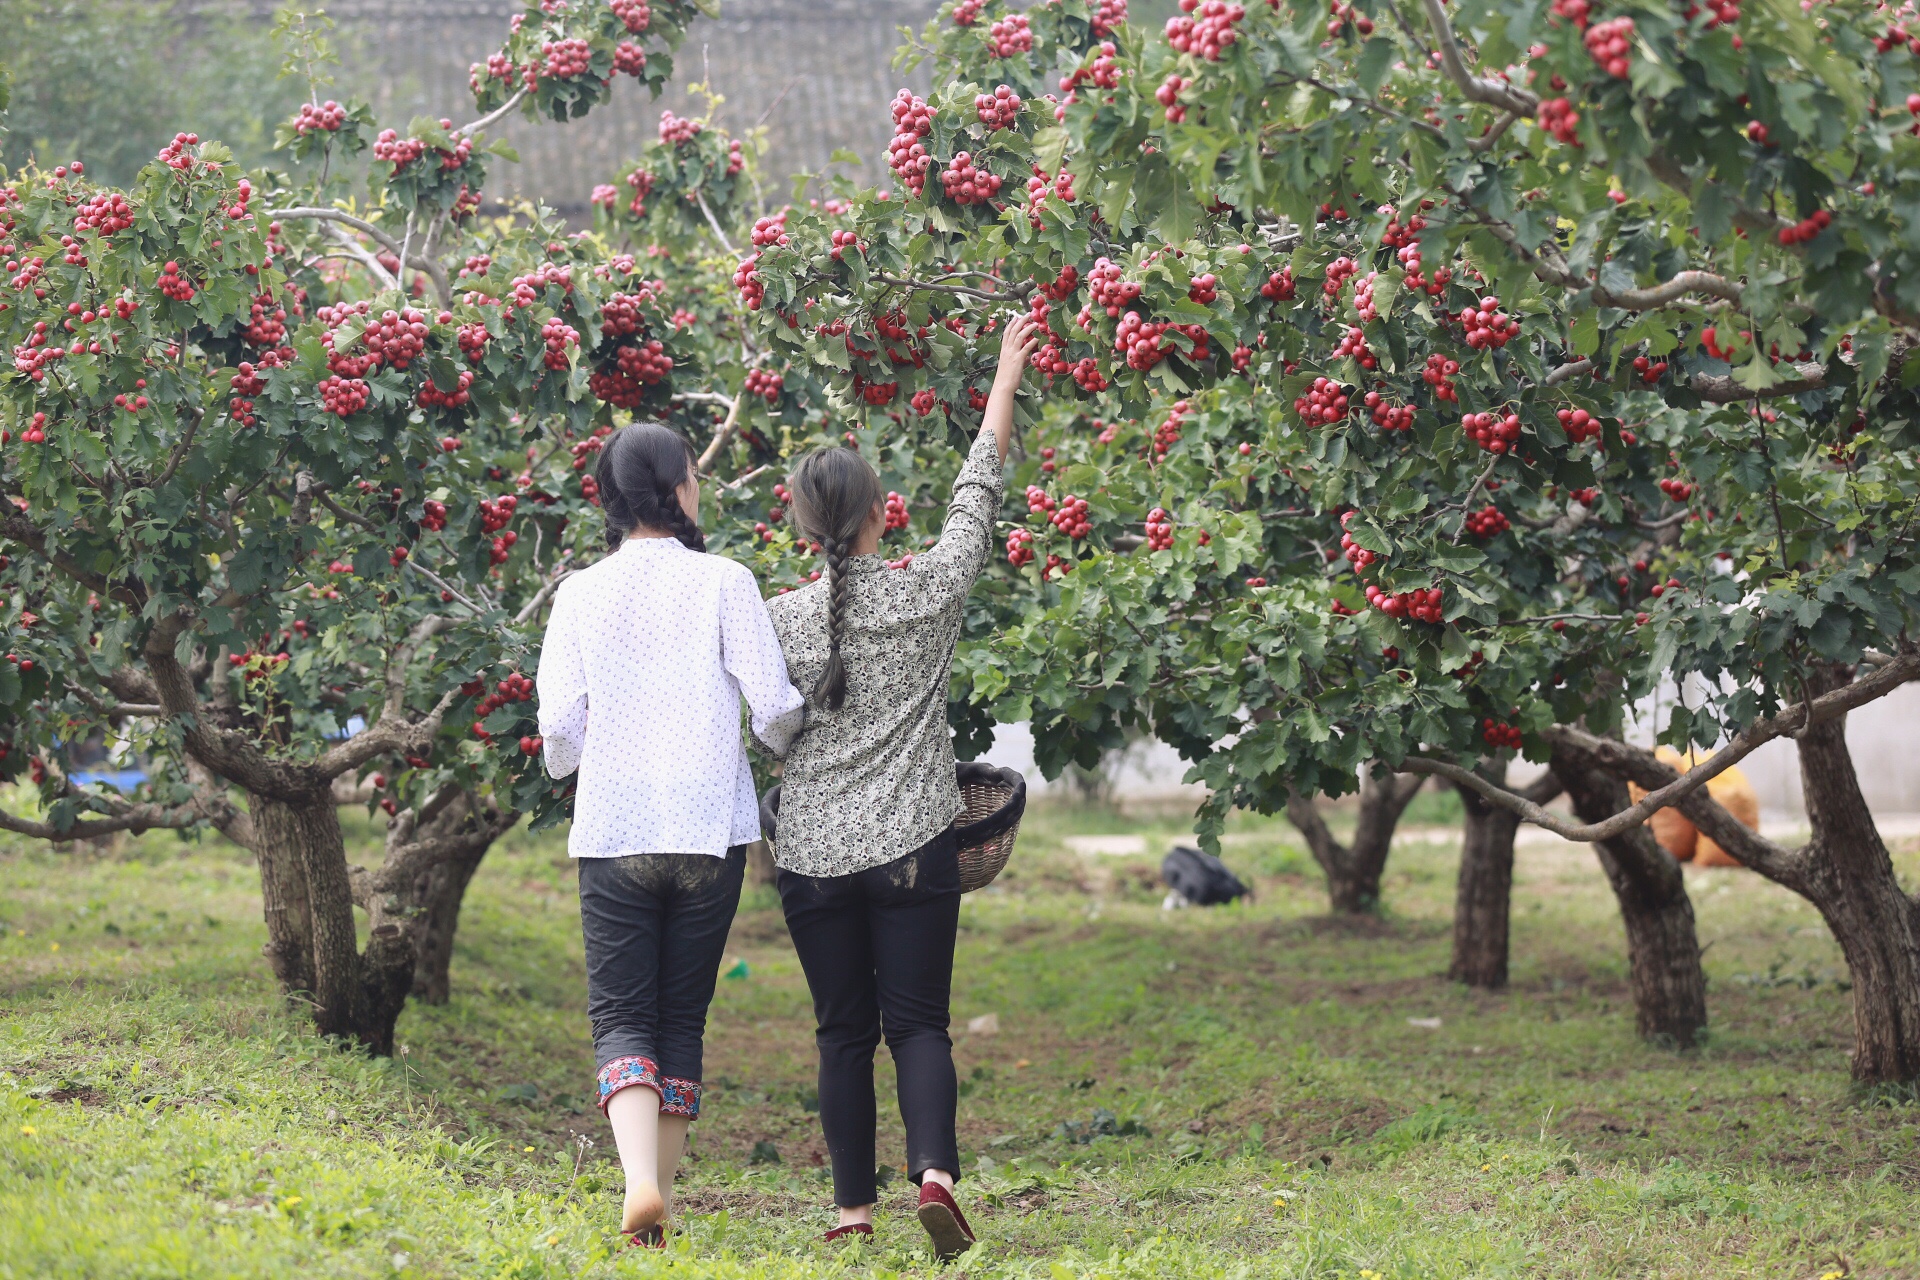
x=1252, y=1091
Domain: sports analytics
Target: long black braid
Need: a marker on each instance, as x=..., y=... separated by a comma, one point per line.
x=641, y=467
x=834, y=493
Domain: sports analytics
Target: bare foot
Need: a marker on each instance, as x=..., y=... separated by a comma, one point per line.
x=643, y=1208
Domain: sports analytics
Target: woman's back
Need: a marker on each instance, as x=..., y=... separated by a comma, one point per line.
x=660, y=642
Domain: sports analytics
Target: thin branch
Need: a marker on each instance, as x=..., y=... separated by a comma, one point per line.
x=1789, y=721
x=136, y=818
x=443, y=585
x=1473, y=491
x=1724, y=390
x=1659, y=295
x=180, y=450
x=540, y=597
x=380, y=237
x=714, y=222
x=1495, y=93
x=359, y=254
x=1567, y=372
x=721, y=437
x=748, y=478
x=340, y=512
x=1363, y=100
x=1494, y=134
x=494, y=116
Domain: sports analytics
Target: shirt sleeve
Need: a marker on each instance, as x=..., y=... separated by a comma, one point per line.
x=967, y=540
x=750, y=651
x=561, y=683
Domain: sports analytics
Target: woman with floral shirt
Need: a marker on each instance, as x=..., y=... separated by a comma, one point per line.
x=868, y=873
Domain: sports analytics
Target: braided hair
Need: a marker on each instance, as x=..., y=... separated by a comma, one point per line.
x=641, y=469
x=834, y=493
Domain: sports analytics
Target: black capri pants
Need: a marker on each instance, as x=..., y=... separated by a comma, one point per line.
x=655, y=926
x=877, y=948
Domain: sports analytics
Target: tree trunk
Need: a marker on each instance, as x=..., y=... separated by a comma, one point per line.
x=356, y=996
x=760, y=868
x=1353, y=873
x=1482, y=902
x=440, y=894
x=1663, y=949
x=1851, y=880
x=283, y=897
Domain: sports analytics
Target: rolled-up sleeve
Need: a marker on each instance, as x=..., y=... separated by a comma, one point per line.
x=561, y=683
x=967, y=540
x=750, y=651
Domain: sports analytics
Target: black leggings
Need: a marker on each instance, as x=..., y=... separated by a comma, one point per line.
x=877, y=948
x=656, y=928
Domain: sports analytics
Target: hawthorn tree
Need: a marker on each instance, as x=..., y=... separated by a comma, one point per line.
x=1424, y=387
x=292, y=473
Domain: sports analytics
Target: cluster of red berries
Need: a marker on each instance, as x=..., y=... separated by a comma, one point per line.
x=923, y=402
x=1087, y=375
x=1585, y=497
x=433, y=516
x=1339, y=271
x=497, y=513
x=473, y=341
x=1343, y=13
x=30, y=270
x=266, y=322
x=320, y=117
x=771, y=230
x=629, y=59
x=1108, y=17
x=1363, y=296
x=178, y=153
x=1107, y=289
x=1210, y=32
x=896, y=512
x=1579, y=425
x=31, y=355
x=676, y=131
x=566, y=58
x=558, y=335
x=1608, y=42
x=515, y=688
x=1710, y=339
x=1354, y=343
x=1071, y=519
x=105, y=213
x=583, y=451
x=1051, y=362
x=1055, y=564
x=1559, y=119
x=531, y=744
x=172, y=284
x=1204, y=289
x=1421, y=604
x=1678, y=490
x=877, y=393
x=999, y=109
x=343, y=396
x=255, y=666
x=1357, y=556
x=1279, y=286
x=1487, y=325
x=1168, y=96
x=1019, y=547
x=764, y=382
x=1649, y=370
x=842, y=241
x=1323, y=403
x=1896, y=36
x=502, y=547
x=1386, y=415
x=1167, y=434
x=1578, y=12
x=1499, y=735
x=620, y=315
x=397, y=338
x=1492, y=431
x=1661, y=588
x=1807, y=228
x=965, y=184
x=36, y=432
x=906, y=154
x=1012, y=34
x=1487, y=522
x=747, y=281
x=967, y=12
x=245, y=384
x=636, y=14
x=1103, y=71
x=1439, y=375
x=1159, y=530
x=432, y=397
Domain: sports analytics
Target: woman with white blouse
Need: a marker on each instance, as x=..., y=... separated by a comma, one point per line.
x=869, y=875
x=647, y=656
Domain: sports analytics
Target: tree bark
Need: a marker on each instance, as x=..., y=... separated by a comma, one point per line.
x=1484, y=892
x=1852, y=881
x=283, y=897
x=308, y=836
x=1353, y=872
x=440, y=894
x=1663, y=947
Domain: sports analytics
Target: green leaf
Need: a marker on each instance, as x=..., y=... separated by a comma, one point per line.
x=1050, y=148
x=1371, y=68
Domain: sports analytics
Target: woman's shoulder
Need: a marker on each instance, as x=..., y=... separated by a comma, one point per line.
x=800, y=602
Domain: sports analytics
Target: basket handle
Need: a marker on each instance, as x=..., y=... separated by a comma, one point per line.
x=965, y=773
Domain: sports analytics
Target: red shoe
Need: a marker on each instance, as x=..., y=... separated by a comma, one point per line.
x=944, y=1222
x=851, y=1229
x=654, y=1237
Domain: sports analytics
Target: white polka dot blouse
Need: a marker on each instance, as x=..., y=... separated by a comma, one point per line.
x=647, y=656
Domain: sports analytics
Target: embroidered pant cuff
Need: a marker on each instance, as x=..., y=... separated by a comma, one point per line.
x=624, y=1073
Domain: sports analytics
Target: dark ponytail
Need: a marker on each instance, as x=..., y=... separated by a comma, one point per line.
x=640, y=468
x=834, y=492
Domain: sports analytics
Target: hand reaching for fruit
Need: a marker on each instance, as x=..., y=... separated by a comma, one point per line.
x=1017, y=345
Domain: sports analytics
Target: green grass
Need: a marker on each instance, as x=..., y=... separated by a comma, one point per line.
x=1227, y=1093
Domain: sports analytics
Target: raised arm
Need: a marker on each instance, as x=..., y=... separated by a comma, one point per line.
x=561, y=683
x=1017, y=346
x=750, y=651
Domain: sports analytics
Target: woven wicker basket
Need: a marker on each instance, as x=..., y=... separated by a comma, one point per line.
x=992, y=803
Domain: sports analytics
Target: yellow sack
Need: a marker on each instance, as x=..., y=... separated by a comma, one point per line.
x=1676, y=832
